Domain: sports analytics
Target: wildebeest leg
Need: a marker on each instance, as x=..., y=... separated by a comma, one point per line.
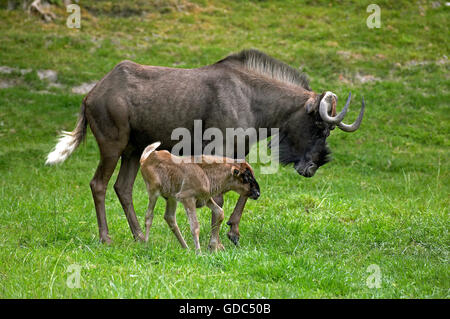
x=124, y=189
x=190, y=205
x=235, y=218
x=152, y=198
x=98, y=185
x=170, y=217
x=216, y=221
x=108, y=119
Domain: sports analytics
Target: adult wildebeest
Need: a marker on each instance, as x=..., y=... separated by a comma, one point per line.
x=135, y=105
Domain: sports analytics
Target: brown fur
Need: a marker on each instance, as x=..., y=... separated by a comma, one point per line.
x=194, y=185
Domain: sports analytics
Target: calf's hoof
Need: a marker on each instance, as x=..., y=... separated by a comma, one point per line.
x=216, y=247
x=140, y=237
x=233, y=237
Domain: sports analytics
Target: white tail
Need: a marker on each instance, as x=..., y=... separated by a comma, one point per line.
x=68, y=141
x=148, y=150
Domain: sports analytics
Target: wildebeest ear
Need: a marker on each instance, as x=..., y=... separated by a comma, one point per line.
x=312, y=104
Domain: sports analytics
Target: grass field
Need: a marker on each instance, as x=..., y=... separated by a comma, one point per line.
x=383, y=200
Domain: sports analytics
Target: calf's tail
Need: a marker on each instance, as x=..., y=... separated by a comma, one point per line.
x=69, y=141
x=148, y=150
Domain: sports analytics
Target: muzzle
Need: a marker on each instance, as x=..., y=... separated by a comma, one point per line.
x=254, y=194
x=306, y=170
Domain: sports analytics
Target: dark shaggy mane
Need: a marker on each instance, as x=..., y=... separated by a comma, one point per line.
x=266, y=65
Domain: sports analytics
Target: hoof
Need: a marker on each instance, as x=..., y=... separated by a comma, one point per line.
x=233, y=237
x=140, y=237
x=216, y=247
x=106, y=240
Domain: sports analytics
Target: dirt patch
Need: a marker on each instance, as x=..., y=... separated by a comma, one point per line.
x=358, y=78
x=361, y=78
x=349, y=55
x=412, y=63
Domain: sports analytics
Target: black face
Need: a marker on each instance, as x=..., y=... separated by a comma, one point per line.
x=248, y=178
x=305, y=145
x=316, y=156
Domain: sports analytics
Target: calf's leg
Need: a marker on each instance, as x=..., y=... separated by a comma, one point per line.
x=170, y=217
x=190, y=205
x=235, y=218
x=152, y=198
x=216, y=221
x=219, y=200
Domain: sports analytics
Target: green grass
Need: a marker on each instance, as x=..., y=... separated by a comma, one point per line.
x=383, y=199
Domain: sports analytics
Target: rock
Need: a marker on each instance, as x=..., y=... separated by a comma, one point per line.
x=435, y=4
x=56, y=85
x=4, y=84
x=83, y=88
x=6, y=69
x=48, y=75
x=25, y=71
x=442, y=61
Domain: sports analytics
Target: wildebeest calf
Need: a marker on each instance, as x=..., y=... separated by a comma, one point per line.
x=193, y=181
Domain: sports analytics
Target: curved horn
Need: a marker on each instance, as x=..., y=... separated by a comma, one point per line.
x=325, y=106
x=355, y=125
